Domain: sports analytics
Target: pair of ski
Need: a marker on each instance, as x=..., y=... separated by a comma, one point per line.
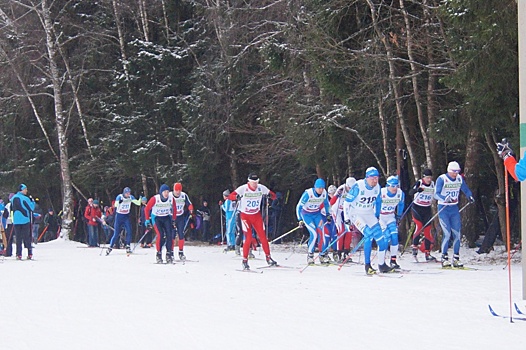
x=175, y=262
x=270, y=267
x=519, y=311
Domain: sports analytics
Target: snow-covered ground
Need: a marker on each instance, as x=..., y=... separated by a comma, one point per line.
x=75, y=298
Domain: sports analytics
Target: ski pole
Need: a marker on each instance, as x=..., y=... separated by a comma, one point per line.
x=422, y=228
x=515, y=250
x=43, y=232
x=222, y=230
x=406, y=211
x=508, y=240
x=294, y=247
x=139, y=241
x=355, y=249
x=285, y=234
x=324, y=250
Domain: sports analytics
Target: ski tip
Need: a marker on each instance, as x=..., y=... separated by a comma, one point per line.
x=491, y=310
x=519, y=311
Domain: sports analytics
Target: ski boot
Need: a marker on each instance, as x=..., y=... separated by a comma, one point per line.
x=108, y=251
x=30, y=257
x=159, y=258
x=324, y=259
x=456, y=261
x=384, y=268
x=238, y=250
x=346, y=258
x=394, y=264
x=271, y=262
x=336, y=257
x=169, y=257
x=430, y=258
x=369, y=270
x=310, y=259
x=445, y=261
x=245, y=264
x=19, y=257
x=251, y=255
x=128, y=250
x=181, y=256
x=414, y=250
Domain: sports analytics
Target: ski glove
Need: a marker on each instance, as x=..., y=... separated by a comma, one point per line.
x=329, y=219
x=301, y=223
x=448, y=199
x=420, y=189
x=148, y=223
x=471, y=199
x=504, y=150
x=347, y=222
x=174, y=223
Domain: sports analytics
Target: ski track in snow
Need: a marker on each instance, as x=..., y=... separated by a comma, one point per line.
x=76, y=299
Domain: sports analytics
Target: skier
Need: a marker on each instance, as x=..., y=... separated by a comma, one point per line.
x=423, y=191
x=312, y=211
x=184, y=208
x=230, y=209
x=343, y=245
x=359, y=209
x=249, y=206
x=162, y=208
x=123, y=204
x=447, y=192
x=389, y=209
x=329, y=230
x=8, y=216
x=22, y=207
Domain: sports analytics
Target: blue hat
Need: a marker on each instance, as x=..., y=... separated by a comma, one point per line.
x=371, y=171
x=392, y=181
x=164, y=187
x=96, y=201
x=144, y=199
x=22, y=187
x=126, y=190
x=319, y=183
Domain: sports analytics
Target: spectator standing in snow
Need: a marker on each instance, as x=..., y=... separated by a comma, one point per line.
x=22, y=207
x=93, y=216
x=37, y=219
x=52, y=222
x=205, y=227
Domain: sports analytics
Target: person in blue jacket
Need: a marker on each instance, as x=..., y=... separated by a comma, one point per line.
x=230, y=209
x=22, y=207
x=447, y=193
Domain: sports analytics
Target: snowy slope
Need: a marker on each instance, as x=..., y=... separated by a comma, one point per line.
x=77, y=299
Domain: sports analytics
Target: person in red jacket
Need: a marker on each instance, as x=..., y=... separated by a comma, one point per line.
x=249, y=197
x=93, y=217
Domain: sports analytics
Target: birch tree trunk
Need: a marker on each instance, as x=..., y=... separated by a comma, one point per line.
x=60, y=122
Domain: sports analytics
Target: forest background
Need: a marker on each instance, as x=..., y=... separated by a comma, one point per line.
x=99, y=95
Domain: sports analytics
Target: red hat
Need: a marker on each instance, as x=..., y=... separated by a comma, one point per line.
x=178, y=186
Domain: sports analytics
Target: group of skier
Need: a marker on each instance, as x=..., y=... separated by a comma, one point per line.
x=376, y=212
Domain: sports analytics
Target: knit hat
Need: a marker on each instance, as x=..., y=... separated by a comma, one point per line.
x=164, y=187
x=319, y=183
x=371, y=171
x=392, y=181
x=453, y=167
x=350, y=182
x=126, y=190
x=50, y=209
x=96, y=201
x=427, y=172
x=226, y=193
x=144, y=199
x=253, y=177
x=332, y=189
x=178, y=186
x=21, y=187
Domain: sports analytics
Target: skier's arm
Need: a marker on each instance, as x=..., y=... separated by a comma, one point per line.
x=516, y=169
x=378, y=206
x=351, y=196
x=465, y=189
x=148, y=209
x=136, y=201
x=415, y=188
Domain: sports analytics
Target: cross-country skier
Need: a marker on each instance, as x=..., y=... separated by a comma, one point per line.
x=184, y=208
x=329, y=230
x=123, y=204
x=229, y=207
x=423, y=191
x=22, y=207
x=312, y=211
x=343, y=245
x=447, y=192
x=359, y=209
x=249, y=197
x=162, y=208
x=389, y=209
